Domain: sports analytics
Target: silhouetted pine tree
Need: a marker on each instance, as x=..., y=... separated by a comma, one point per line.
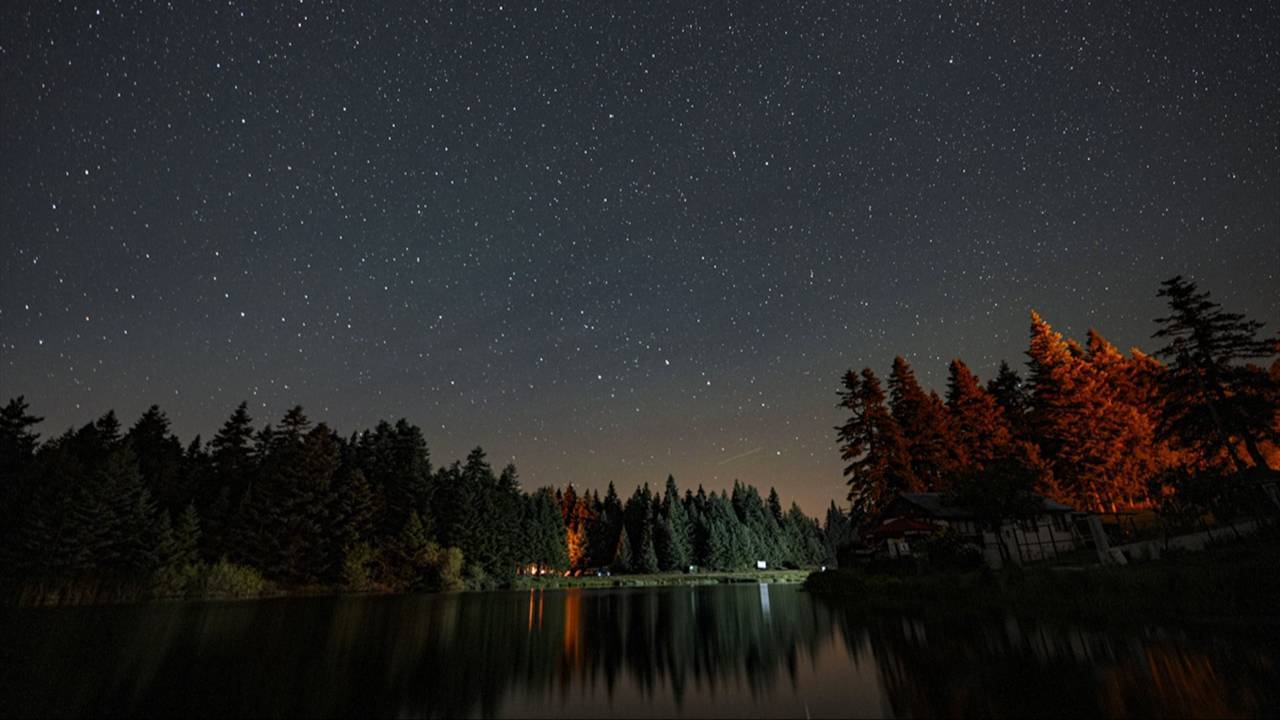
x=645, y=559
x=186, y=538
x=675, y=546
x=879, y=465
x=1011, y=395
x=726, y=545
x=837, y=531
x=1215, y=402
x=354, y=512
x=160, y=460
x=622, y=556
x=232, y=466
x=544, y=533
x=18, y=443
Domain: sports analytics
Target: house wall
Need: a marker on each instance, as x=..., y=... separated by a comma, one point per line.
x=1026, y=541
x=1042, y=539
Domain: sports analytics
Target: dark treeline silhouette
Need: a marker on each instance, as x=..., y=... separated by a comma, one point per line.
x=1089, y=426
x=102, y=512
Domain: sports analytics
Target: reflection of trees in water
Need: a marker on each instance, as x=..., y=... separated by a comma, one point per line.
x=443, y=655
x=1016, y=669
x=647, y=642
x=465, y=654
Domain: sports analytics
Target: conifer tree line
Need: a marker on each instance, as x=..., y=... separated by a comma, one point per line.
x=1089, y=426
x=666, y=531
x=298, y=504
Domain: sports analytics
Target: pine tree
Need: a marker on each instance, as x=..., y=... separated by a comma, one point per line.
x=808, y=546
x=129, y=515
x=976, y=418
x=1216, y=403
x=775, y=505
x=837, y=532
x=879, y=465
x=107, y=431
x=645, y=559
x=506, y=508
x=1083, y=430
x=622, y=556
x=925, y=428
x=402, y=471
x=162, y=538
x=1121, y=440
x=725, y=545
x=674, y=541
x=765, y=540
x=604, y=534
x=160, y=460
x=17, y=459
x=545, y=536
x=232, y=466
x=576, y=543
x=354, y=513
x=406, y=554
x=288, y=506
x=186, y=539
x=1011, y=395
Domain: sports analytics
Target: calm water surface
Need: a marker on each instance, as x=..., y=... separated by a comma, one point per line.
x=722, y=650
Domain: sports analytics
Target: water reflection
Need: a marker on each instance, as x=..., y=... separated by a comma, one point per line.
x=744, y=650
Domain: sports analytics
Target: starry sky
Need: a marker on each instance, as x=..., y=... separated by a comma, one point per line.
x=609, y=241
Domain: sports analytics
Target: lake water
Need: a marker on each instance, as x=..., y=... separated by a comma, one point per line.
x=743, y=650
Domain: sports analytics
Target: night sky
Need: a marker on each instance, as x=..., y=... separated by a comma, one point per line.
x=609, y=241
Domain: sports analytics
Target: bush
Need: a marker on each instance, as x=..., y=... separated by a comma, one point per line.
x=177, y=581
x=224, y=579
x=357, y=561
x=443, y=568
x=475, y=578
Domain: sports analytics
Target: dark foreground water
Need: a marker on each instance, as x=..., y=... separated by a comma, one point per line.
x=741, y=650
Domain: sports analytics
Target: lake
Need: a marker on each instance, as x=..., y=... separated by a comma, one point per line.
x=725, y=650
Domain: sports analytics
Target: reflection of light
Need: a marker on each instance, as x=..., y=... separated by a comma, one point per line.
x=764, y=600
x=572, y=639
x=535, y=598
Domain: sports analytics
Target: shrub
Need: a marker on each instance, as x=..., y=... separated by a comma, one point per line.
x=443, y=568
x=357, y=561
x=177, y=581
x=224, y=579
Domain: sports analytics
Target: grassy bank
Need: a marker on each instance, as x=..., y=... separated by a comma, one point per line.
x=662, y=579
x=1235, y=582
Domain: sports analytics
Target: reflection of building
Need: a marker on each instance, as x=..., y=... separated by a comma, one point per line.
x=1043, y=533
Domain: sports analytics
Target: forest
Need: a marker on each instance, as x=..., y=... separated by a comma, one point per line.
x=103, y=512
x=1090, y=426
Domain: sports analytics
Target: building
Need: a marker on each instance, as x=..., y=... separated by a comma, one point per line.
x=1047, y=532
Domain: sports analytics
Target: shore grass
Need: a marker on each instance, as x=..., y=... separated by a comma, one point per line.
x=1236, y=582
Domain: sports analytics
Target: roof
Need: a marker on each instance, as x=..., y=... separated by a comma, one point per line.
x=900, y=526
x=935, y=504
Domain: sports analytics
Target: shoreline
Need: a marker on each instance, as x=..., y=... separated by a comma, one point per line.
x=1234, y=582
x=14, y=597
